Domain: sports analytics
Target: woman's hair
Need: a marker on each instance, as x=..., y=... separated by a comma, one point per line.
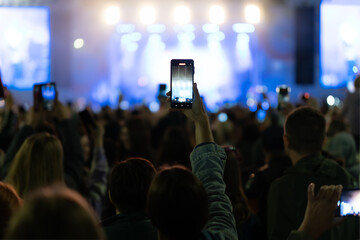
x=177, y=203
x=234, y=190
x=37, y=163
x=54, y=212
x=175, y=148
x=10, y=202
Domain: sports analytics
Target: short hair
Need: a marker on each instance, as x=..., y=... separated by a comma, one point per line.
x=54, y=212
x=177, y=203
x=129, y=184
x=38, y=163
x=305, y=130
x=10, y=202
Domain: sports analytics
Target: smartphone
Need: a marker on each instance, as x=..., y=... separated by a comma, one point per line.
x=44, y=95
x=88, y=120
x=349, y=203
x=283, y=92
x=181, y=83
x=162, y=90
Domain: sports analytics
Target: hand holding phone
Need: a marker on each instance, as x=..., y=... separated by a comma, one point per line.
x=349, y=203
x=181, y=83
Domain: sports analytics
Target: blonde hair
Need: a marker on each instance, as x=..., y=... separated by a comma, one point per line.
x=37, y=163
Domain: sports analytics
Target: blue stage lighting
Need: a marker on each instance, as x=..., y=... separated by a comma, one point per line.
x=260, y=115
x=265, y=105
x=222, y=117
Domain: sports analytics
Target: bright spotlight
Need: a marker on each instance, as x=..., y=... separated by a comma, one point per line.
x=182, y=15
x=147, y=15
x=154, y=107
x=355, y=69
x=112, y=15
x=252, y=14
x=330, y=100
x=222, y=117
x=217, y=14
x=78, y=43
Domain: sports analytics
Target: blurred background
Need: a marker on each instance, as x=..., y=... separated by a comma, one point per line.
x=96, y=51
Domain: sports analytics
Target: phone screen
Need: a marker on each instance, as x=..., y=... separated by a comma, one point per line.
x=182, y=78
x=48, y=94
x=349, y=203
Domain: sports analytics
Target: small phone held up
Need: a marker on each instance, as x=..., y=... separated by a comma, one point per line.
x=349, y=204
x=181, y=83
x=44, y=95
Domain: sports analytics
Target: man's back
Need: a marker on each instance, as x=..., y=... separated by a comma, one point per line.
x=288, y=195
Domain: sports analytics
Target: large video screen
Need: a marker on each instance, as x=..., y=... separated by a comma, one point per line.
x=340, y=42
x=24, y=46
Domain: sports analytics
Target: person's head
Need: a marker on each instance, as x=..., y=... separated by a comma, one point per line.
x=129, y=184
x=10, y=202
x=37, y=163
x=54, y=212
x=177, y=203
x=175, y=148
x=234, y=189
x=304, y=131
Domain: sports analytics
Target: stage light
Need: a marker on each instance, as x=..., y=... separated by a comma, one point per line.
x=210, y=28
x=78, y=43
x=261, y=115
x=252, y=13
x=186, y=36
x=250, y=102
x=355, y=69
x=217, y=15
x=348, y=33
x=13, y=37
x=112, y=15
x=253, y=108
x=222, y=117
x=330, y=100
x=243, y=28
x=265, y=105
x=124, y=105
x=154, y=107
x=156, y=28
x=147, y=15
x=182, y=15
x=125, y=28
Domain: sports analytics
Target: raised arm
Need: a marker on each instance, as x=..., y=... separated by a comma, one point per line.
x=208, y=161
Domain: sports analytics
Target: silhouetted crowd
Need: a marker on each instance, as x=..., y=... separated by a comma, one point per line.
x=178, y=174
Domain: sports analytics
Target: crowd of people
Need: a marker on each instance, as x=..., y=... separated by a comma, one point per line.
x=178, y=174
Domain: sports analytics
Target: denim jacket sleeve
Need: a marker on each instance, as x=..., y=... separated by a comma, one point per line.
x=208, y=161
